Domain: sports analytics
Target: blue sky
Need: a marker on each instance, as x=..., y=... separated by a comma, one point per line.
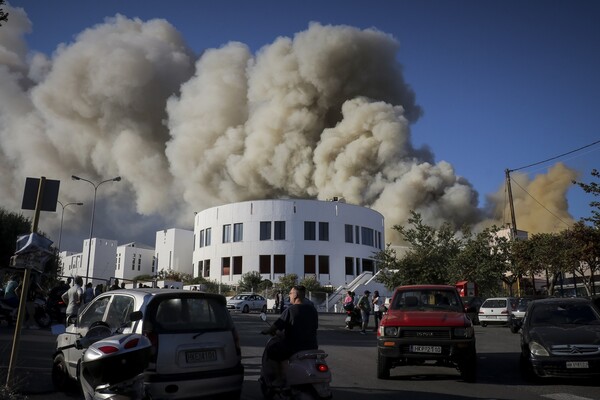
x=502, y=84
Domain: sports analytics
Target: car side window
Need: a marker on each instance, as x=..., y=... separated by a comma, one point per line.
x=120, y=308
x=95, y=312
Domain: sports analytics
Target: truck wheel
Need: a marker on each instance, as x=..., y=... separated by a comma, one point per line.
x=383, y=367
x=468, y=367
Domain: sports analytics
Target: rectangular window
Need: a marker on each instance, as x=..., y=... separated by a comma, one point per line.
x=279, y=233
x=310, y=264
x=226, y=233
x=279, y=263
x=379, y=244
x=349, y=266
x=324, y=231
x=368, y=265
x=206, y=268
x=207, y=237
x=367, y=236
x=200, y=266
x=237, y=265
x=201, y=241
x=225, y=266
x=265, y=230
x=348, y=233
x=264, y=264
x=309, y=230
x=357, y=235
x=324, y=265
x=238, y=232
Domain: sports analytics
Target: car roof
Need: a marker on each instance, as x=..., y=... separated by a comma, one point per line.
x=562, y=300
x=158, y=292
x=416, y=287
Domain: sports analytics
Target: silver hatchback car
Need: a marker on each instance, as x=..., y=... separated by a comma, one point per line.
x=196, y=350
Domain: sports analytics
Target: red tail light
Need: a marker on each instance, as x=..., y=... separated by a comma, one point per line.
x=153, y=337
x=132, y=343
x=322, y=367
x=108, y=349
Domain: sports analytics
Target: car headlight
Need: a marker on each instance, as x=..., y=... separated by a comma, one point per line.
x=389, y=330
x=465, y=332
x=537, y=349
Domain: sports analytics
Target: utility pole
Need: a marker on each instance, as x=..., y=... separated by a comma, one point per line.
x=513, y=221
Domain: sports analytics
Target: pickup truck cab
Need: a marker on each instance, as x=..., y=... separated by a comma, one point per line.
x=426, y=325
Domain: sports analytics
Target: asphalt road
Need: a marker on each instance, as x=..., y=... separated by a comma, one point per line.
x=352, y=359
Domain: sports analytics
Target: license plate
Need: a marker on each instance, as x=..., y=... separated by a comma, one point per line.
x=577, y=364
x=200, y=356
x=426, y=349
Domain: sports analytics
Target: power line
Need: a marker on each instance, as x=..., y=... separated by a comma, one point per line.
x=554, y=158
x=545, y=208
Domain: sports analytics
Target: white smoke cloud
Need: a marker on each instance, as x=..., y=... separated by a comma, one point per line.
x=325, y=113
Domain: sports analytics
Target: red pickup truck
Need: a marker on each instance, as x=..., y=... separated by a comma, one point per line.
x=426, y=325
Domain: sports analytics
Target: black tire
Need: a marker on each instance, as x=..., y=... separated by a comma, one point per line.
x=527, y=370
x=383, y=367
x=246, y=309
x=235, y=395
x=468, y=368
x=483, y=324
x=43, y=319
x=514, y=328
x=60, y=376
x=264, y=309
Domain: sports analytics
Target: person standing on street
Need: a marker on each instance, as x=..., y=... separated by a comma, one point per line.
x=376, y=309
x=73, y=298
x=364, y=304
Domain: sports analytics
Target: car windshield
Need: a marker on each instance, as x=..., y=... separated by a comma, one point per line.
x=563, y=314
x=427, y=299
x=494, y=303
x=191, y=314
x=240, y=297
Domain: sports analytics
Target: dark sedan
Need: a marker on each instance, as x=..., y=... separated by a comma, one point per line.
x=561, y=338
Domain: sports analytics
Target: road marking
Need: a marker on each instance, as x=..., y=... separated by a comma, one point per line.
x=565, y=396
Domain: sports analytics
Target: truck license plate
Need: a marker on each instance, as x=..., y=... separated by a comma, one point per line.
x=200, y=356
x=426, y=349
x=577, y=364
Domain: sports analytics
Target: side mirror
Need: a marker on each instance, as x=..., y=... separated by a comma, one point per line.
x=263, y=316
x=136, y=316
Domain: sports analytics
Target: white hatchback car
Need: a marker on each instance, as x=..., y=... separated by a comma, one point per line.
x=246, y=302
x=196, y=347
x=496, y=310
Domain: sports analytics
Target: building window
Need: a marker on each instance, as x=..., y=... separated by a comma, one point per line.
x=368, y=265
x=265, y=230
x=349, y=266
x=201, y=241
x=309, y=230
x=310, y=265
x=324, y=265
x=367, y=236
x=225, y=266
x=237, y=265
x=279, y=233
x=279, y=263
x=264, y=264
x=379, y=244
x=238, y=232
x=200, y=266
x=207, y=237
x=324, y=231
x=206, y=268
x=357, y=235
x=348, y=231
x=226, y=233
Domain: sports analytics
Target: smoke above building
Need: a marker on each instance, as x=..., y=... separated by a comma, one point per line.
x=325, y=113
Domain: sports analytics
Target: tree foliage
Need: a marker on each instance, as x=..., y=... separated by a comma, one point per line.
x=12, y=226
x=594, y=189
x=3, y=15
x=250, y=282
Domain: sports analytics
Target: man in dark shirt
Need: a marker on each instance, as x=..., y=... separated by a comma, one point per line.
x=299, y=322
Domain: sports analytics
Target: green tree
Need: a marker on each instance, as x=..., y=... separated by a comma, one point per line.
x=250, y=281
x=287, y=281
x=12, y=226
x=387, y=263
x=594, y=189
x=584, y=246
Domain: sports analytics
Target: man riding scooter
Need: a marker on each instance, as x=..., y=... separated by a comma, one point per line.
x=299, y=322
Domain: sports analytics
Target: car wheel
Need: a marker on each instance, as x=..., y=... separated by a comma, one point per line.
x=526, y=369
x=60, y=375
x=235, y=395
x=468, y=367
x=514, y=328
x=383, y=367
x=246, y=309
x=483, y=324
x=43, y=319
x=264, y=309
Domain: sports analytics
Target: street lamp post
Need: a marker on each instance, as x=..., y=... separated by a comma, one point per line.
x=76, y=178
x=62, y=216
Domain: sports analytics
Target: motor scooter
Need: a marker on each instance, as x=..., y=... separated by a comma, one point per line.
x=353, y=317
x=9, y=313
x=306, y=374
x=112, y=365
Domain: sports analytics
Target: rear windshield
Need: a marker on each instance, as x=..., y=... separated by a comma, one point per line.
x=427, y=299
x=494, y=303
x=183, y=314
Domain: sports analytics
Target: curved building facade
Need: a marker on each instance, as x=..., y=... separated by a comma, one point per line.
x=331, y=240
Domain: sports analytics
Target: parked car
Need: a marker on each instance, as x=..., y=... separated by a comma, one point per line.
x=246, y=302
x=472, y=305
x=426, y=324
x=496, y=310
x=195, y=344
x=561, y=338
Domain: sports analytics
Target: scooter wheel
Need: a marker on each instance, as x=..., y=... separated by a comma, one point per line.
x=43, y=320
x=60, y=375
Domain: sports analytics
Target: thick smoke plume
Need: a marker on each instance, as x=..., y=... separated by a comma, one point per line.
x=325, y=113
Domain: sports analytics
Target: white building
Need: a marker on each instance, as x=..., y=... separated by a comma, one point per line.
x=134, y=259
x=331, y=240
x=102, y=260
x=173, y=250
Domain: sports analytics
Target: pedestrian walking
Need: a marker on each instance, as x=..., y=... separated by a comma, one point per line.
x=88, y=294
x=73, y=298
x=377, y=312
x=364, y=304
